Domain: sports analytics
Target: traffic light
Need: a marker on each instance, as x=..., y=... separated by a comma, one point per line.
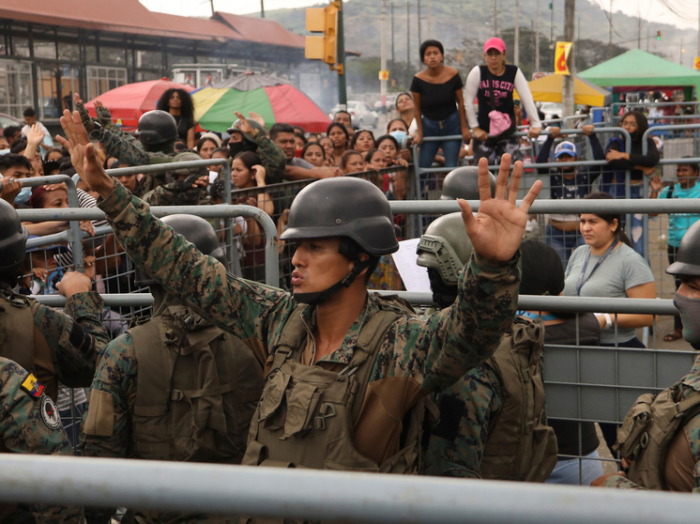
x=658, y=35
x=322, y=20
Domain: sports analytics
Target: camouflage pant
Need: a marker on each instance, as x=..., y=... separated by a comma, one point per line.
x=493, y=150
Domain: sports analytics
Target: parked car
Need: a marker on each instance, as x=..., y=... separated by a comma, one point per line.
x=551, y=110
x=9, y=120
x=362, y=114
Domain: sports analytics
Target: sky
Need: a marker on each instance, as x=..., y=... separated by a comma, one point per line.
x=686, y=11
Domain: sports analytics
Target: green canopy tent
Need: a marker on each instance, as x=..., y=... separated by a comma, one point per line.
x=637, y=70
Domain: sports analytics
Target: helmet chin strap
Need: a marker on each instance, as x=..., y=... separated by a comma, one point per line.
x=319, y=297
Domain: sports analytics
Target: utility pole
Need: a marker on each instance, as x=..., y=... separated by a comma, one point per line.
x=537, y=38
x=340, y=58
x=408, y=42
x=383, y=56
x=262, y=8
x=429, y=20
x=639, y=33
x=611, y=30
x=495, y=17
x=516, y=56
x=393, y=57
x=420, y=41
x=212, y=7
x=568, y=80
x=648, y=39
x=698, y=54
x=551, y=24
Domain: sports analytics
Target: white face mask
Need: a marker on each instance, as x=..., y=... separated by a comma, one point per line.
x=24, y=194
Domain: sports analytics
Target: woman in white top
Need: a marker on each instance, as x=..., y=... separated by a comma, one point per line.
x=492, y=85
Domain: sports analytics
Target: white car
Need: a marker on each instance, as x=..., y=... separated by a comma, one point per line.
x=362, y=114
x=551, y=110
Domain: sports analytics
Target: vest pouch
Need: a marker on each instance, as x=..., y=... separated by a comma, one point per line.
x=341, y=455
x=302, y=400
x=274, y=394
x=544, y=458
x=633, y=436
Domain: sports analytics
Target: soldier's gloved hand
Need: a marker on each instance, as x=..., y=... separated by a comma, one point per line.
x=104, y=117
x=189, y=189
x=74, y=282
x=88, y=122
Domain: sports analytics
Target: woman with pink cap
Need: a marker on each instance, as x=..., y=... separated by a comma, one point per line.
x=492, y=85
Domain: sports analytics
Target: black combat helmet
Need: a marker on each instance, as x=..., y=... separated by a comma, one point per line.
x=344, y=207
x=688, y=260
x=195, y=230
x=157, y=127
x=463, y=182
x=13, y=238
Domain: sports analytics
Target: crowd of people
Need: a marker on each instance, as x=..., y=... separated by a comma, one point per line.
x=324, y=374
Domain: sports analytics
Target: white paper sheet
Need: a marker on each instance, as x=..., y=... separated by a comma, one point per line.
x=415, y=277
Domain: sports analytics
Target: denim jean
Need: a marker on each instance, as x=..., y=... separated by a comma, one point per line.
x=563, y=242
x=577, y=471
x=450, y=148
x=636, y=229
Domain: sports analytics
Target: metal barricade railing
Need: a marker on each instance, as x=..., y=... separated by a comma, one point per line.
x=327, y=496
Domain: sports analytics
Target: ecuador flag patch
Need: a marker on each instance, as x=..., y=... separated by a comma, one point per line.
x=32, y=387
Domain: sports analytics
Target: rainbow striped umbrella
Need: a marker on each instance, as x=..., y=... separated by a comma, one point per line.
x=274, y=99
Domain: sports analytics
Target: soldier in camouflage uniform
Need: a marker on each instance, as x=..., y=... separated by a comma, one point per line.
x=479, y=433
x=54, y=346
x=29, y=423
x=330, y=327
x=674, y=464
x=124, y=419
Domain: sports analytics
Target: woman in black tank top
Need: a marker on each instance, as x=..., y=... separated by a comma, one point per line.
x=438, y=106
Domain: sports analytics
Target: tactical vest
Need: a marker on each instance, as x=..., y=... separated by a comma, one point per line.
x=21, y=341
x=520, y=446
x=197, y=390
x=648, y=430
x=306, y=414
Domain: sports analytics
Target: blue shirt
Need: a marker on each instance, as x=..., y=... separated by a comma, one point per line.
x=678, y=223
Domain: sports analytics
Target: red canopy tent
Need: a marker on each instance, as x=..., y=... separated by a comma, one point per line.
x=128, y=102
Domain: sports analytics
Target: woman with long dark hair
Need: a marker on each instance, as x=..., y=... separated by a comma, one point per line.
x=178, y=103
x=639, y=165
x=340, y=137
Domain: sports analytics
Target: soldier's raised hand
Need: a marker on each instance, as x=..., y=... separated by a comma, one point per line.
x=497, y=230
x=243, y=123
x=83, y=155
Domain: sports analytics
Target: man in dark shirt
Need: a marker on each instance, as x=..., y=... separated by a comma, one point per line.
x=566, y=182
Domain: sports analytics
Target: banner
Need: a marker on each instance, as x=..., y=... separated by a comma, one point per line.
x=383, y=75
x=561, y=58
x=696, y=64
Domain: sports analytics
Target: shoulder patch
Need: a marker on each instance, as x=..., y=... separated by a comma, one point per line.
x=49, y=413
x=32, y=387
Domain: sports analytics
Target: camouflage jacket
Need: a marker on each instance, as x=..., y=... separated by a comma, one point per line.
x=76, y=337
x=29, y=423
x=419, y=355
x=691, y=382
x=273, y=158
x=168, y=195
x=467, y=409
x=117, y=375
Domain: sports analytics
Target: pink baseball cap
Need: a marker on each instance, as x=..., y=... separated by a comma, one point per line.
x=495, y=43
